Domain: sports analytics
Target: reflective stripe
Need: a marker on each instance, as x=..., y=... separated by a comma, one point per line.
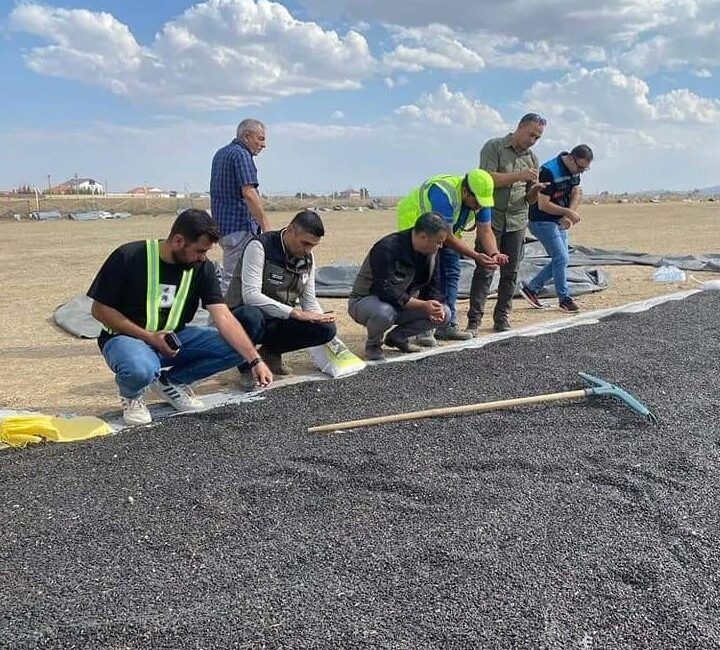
x=179, y=302
x=152, y=297
x=445, y=187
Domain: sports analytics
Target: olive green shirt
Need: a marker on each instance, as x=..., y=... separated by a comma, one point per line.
x=511, y=209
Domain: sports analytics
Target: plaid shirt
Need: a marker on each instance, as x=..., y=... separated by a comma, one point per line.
x=232, y=168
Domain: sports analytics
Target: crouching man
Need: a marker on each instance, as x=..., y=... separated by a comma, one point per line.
x=273, y=286
x=399, y=284
x=144, y=295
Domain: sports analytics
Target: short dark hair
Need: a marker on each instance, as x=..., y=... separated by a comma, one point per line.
x=431, y=223
x=193, y=224
x=582, y=152
x=309, y=221
x=532, y=117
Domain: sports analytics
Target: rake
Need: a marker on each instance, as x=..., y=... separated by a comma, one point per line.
x=599, y=388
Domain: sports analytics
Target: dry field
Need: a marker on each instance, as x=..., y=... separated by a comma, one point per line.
x=46, y=263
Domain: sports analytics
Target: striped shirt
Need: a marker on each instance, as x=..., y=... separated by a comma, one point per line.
x=232, y=168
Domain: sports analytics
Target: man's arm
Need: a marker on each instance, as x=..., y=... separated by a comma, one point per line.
x=505, y=179
x=118, y=322
x=440, y=204
x=254, y=203
x=236, y=337
x=490, y=162
x=487, y=260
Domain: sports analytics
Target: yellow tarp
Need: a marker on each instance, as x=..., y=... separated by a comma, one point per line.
x=21, y=430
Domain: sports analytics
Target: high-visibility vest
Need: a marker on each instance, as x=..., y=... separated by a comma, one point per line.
x=152, y=298
x=418, y=202
x=153, y=295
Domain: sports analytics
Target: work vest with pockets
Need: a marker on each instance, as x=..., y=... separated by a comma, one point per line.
x=418, y=202
x=154, y=293
x=563, y=182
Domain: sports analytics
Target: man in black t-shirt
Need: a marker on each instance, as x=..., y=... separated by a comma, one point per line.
x=144, y=295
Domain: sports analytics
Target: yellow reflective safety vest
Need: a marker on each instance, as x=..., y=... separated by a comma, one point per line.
x=152, y=298
x=418, y=202
x=154, y=293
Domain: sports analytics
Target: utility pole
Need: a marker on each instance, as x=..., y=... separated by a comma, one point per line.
x=49, y=186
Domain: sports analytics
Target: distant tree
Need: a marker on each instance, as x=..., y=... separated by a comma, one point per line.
x=364, y=193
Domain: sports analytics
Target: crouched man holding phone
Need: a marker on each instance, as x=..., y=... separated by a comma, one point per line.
x=144, y=295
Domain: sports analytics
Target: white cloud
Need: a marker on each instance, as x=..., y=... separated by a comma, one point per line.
x=338, y=115
x=634, y=35
x=218, y=54
x=441, y=47
x=703, y=73
x=452, y=109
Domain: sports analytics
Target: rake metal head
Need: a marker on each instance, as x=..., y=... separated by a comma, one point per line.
x=601, y=387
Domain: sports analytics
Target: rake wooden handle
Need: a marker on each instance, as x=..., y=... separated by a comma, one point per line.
x=451, y=410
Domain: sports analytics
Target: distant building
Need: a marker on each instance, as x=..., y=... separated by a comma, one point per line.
x=349, y=193
x=79, y=186
x=147, y=190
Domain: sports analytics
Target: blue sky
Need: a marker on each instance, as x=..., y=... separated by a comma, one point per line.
x=368, y=93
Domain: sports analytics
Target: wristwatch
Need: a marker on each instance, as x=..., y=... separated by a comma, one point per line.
x=254, y=362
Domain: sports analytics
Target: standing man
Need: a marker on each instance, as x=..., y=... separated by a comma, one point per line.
x=235, y=201
x=514, y=169
x=144, y=295
x=551, y=217
x=275, y=279
x=464, y=203
x=399, y=284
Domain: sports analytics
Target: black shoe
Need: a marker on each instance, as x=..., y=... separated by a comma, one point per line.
x=374, y=353
x=401, y=344
x=569, y=305
x=529, y=295
x=275, y=362
x=473, y=326
x=452, y=332
x=502, y=325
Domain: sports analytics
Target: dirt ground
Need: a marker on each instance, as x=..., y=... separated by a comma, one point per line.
x=44, y=264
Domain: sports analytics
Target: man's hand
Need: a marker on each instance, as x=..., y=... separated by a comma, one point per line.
x=313, y=316
x=157, y=341
x=486, y=261
x=565, y=222
x=435, y=310
x=528, y=175
x=262, y=374
x=573, y=216
x=500, y=258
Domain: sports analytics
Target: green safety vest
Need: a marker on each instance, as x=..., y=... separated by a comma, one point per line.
x=417, y=202
x=152, y=297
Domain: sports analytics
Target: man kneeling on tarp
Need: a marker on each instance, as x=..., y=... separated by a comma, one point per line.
x=274, y=283
x=399, y=285
x=144, y=295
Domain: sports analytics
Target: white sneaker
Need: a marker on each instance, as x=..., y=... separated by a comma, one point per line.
x=181, y=397
x=135, y=411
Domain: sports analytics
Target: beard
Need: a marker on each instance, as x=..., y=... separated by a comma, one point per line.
x=178, y=259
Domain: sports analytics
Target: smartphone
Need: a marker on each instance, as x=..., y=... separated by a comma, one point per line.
x=173, y=341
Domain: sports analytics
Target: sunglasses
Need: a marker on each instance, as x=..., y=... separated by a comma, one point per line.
x=581, y=168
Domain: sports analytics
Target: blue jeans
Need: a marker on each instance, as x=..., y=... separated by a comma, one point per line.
x=555, y=241
x=203, y=353
x=449, y=277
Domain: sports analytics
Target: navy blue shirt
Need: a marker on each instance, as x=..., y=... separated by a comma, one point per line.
x=232, y=168
x=561, y=183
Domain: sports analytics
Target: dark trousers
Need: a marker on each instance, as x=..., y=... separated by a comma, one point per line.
x=279, y=335
x=511, y=244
